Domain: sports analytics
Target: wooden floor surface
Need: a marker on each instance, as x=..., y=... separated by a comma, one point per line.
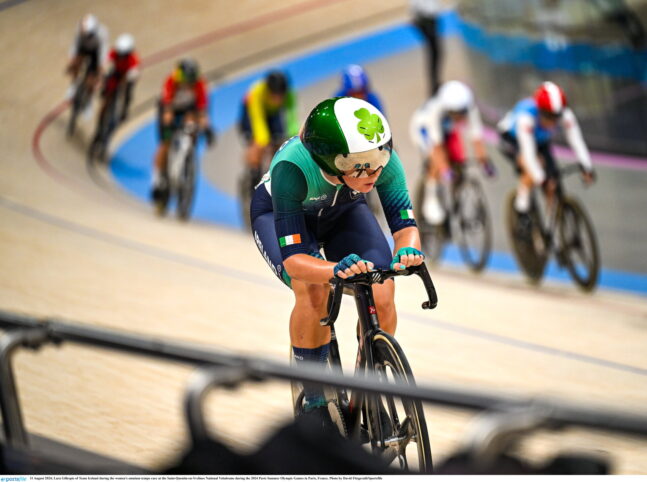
x=78, y=247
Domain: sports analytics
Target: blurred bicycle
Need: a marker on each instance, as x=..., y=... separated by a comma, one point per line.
x=467, y=221
x=450, y=203
x=560, y=224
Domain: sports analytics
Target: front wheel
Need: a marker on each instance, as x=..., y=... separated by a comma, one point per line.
x=474, y=234
x=397, y=427
x=579, y=244
x=186, y=189
x=528, y=241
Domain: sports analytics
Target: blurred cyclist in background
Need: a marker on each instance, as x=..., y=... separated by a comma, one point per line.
x=184, y=97
x=435, y=129
x=88, y=49
x=355, y=83
x=122, y=70
x=526, y=133
x=268, y=118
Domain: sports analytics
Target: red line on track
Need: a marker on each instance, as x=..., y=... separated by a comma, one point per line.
x=170, y=52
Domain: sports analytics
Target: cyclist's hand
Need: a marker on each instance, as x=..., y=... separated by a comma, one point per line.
x=167, y=117
x=488, y=167
x=588, y=176
x=352, y=265
x=209, y=135
x=407, y=257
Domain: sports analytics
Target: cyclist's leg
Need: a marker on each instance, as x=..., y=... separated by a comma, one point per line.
x=107, y=97
x=551, y=169
x=310, y=341
x=357, y=231
x=164, y=130
x=532, y=174
x=128, y=95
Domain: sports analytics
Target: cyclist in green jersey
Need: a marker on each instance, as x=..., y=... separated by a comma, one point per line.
x=311, y=222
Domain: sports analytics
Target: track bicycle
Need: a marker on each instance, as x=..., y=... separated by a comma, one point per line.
x=562, y=227
x=467, y=220
x=180, y=171
x=81, y=98
x=387, y=426
x=109, y=120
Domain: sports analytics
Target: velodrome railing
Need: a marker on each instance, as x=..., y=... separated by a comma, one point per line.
x=504, y=416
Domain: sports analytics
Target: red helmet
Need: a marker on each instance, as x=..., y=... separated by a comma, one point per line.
x=550, y=98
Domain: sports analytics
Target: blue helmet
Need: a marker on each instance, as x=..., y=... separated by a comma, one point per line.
x=354, y=78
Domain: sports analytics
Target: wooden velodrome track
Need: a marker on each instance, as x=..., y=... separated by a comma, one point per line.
x=77, y=247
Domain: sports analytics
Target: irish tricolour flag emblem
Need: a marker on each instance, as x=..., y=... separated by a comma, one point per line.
x=406, y=214
x=291, y=239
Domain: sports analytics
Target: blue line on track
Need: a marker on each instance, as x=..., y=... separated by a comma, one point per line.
x=229, y=271
x=10, y=3
x=131, y=164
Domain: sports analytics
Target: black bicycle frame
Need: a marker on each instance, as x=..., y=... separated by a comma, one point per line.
x=551, y=227
x=369, y=326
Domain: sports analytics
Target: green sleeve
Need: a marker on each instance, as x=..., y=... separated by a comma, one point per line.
x=394, y=195
x=289, y=189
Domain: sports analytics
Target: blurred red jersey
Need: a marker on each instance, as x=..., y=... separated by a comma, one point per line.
x=181, y=97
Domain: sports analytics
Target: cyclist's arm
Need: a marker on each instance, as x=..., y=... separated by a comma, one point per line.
x=73, y=51
x=133, y=68
x=394, y=195
x=168, y=92
x=406, y=238
x=292, y=122
x=201, y=102
x=289, y=190
x=575, y=140
x=528, y=148
x=257, y=117
x=201, y=99
x=103, y=45
x=476, y=133
x=433, y=118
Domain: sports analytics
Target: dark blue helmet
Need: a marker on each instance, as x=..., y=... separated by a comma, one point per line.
x=354, y=79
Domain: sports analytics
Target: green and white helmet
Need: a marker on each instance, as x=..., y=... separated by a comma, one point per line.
x=346, y=133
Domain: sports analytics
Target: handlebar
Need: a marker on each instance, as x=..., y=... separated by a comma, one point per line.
x=377, y=276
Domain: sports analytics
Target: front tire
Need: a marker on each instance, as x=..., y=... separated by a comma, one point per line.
x=403, y=435
x=531, y=252
x=186, y=189
x=473, y=223
x=579, y=244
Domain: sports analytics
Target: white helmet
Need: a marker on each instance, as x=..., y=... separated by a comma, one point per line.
x=89, y=24
x=455, y=96
x=124, y=44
